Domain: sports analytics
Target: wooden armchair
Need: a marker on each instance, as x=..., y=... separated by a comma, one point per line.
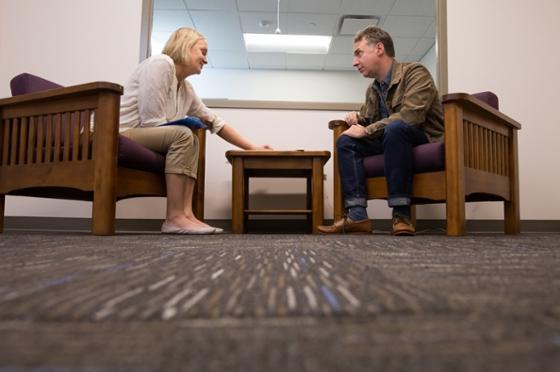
x=64, y=143
x=480, y=163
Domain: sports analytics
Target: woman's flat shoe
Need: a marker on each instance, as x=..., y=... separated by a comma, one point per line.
x=168, y=228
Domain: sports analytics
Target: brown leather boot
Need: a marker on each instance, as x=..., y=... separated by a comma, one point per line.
x=403, y=227
x=347, y=226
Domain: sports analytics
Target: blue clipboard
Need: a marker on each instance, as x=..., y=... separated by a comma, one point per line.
x=189, y=121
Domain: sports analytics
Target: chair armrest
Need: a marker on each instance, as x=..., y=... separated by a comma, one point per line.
x=337, y=126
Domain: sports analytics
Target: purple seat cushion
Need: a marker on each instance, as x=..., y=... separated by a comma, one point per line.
x=130, y=154
x=429, y=157
x=134, y=155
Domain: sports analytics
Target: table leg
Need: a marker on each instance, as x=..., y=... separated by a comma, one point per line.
x=237, y=197
x=317, y=194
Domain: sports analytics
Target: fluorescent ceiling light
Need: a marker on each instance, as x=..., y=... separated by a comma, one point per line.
x=281, y=43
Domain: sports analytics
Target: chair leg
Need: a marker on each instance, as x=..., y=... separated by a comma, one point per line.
x=455, y=217
x=103, y=214
x=512, y=224
x=512, y=214
x=2, y=206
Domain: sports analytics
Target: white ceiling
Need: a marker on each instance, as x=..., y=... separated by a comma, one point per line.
x=411, y=23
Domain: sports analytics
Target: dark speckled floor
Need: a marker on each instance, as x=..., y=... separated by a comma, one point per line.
x=279, y=303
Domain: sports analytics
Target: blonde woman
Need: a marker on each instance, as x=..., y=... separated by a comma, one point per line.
x=157, y=93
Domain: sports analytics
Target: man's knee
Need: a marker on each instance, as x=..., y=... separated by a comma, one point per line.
x=344, y=142
x=396, y=127
x=182, y=134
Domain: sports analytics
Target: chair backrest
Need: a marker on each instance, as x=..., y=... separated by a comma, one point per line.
x=27, y=83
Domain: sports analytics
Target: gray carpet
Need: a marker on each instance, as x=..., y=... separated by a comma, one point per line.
x=147, y=302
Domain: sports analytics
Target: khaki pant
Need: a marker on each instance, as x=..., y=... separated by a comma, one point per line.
x=177, y=142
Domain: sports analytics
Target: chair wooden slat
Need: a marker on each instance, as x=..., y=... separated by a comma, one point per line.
x=66, y=132
x=57, y=133
x=6, y=141
x=40, y=149
x=76, y=123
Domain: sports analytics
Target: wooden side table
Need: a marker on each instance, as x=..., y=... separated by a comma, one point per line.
x=247, y=164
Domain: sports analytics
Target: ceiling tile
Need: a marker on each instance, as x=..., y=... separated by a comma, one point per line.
x=414, y=8
x=401, y=56
x=228, y=59
x=407, y=26
x=404, y=45
x=431, y=31
x=366, y=7
x=290, y=23
x=413, y=58
x=308, y=24
x=169, y=4
x=351, y=25
x=267, y=60
x=261, y=5
x=211, y=4
x=314, y=6
x=170, y=20
x=342, y=45
x=159, y=38
x=226, y=37
x=423, y=46
x=233, y=42
x=250, y=22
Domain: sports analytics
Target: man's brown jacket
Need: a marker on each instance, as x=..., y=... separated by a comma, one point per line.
x=412, y=97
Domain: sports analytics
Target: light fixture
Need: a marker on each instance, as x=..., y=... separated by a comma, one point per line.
x=281, y=43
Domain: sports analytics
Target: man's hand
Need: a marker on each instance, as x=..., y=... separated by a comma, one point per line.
x=351, y=118
x=355, y=131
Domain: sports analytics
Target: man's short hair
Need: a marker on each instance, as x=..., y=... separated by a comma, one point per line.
x=180, y=43
x=375, y=35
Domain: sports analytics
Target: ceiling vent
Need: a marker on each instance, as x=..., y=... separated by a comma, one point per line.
x=349, y=25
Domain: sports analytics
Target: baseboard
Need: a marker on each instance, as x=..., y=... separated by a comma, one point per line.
x=18, y=223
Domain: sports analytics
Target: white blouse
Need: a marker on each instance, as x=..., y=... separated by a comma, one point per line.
x=153, y=96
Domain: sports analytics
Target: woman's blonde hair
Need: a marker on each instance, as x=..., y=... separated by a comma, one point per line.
x=180, y=42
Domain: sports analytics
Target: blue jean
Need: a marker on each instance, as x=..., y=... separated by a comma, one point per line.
x=396, y=144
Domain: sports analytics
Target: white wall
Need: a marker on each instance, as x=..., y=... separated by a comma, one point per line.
x=511, y=48
x=280, y=85
x=68, y=44
x=69, y=41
